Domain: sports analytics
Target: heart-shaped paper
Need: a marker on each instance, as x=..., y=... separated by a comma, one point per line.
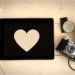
x=26, y=40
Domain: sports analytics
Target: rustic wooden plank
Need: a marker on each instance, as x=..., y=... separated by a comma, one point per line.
x=57, y=66
x=38, y=9
x=42, y=9
x=1, y=71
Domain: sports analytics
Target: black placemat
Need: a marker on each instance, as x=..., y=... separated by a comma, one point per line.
x=43, y=49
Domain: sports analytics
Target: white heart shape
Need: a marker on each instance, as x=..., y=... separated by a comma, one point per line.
x=26, y=40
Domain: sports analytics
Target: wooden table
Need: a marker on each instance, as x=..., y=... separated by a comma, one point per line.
x=40, y=9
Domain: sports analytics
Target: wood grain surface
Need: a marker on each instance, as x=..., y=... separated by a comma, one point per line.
x=40, y=9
